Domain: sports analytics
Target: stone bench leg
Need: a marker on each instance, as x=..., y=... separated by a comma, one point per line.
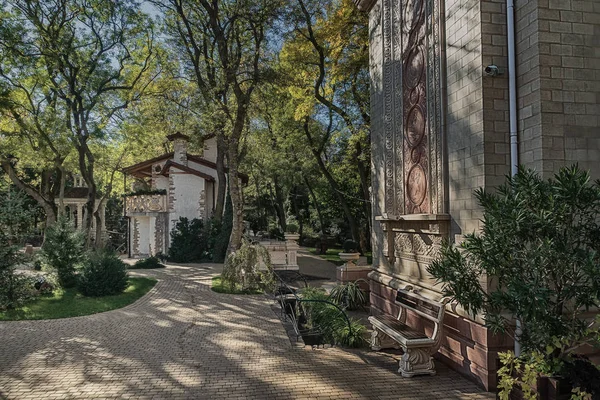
x=416, y=361
x=380, y=340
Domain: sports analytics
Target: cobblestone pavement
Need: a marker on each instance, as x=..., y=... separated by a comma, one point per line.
x=184, y=341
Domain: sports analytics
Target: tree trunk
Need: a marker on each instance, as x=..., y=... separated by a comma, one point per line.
x=317, y=207
x=235, y=192
x=279, y=204
x=221, y=176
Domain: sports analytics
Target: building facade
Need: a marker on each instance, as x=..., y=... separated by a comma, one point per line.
x=166, y=188
x=440, y=130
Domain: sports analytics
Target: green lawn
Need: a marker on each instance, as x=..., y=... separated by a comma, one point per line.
x=333, y=257
x=217, y=286
x=69, y=303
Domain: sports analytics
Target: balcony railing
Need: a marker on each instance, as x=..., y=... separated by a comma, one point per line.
x=145, y=203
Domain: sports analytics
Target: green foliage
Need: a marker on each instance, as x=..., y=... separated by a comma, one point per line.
x=539, y=245
x=219, y=286
x=15, y=289
x=63, y=251
x=103, y=274
x=322, y=315
x=147, y=263
x=147, y=192
x=349, y=295
x=249, y=267
x=350, y=246
x=291, y=228
x=16, y=215
x=66, y=303
x=188, y=241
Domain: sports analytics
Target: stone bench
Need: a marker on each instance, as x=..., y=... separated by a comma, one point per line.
x=417, y=346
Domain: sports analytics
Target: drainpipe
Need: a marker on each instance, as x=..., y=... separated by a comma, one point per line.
x=512, y=102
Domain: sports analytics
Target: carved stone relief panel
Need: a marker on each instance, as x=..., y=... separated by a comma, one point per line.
x=413, y=150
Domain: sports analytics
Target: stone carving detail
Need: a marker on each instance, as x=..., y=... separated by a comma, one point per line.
x=414, y=91
x=159, y=232
x=380, y=340
x=416, y=361
x=412, y=102
x=389, y=112
x=419, y=244
x=145, y=203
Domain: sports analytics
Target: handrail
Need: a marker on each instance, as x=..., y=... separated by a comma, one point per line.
x=299, y=300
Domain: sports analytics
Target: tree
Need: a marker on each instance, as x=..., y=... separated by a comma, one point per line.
x=226, y=46
x=94, y=56
x=328, y=45
x=539, y=246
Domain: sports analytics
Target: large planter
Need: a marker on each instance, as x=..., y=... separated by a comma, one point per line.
x=349, y=258
x=294, y=237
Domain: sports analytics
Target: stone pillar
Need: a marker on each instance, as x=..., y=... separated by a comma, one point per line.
x=79, y=216
x=291, y=247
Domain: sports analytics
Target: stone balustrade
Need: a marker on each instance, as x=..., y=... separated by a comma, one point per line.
x=145, y=203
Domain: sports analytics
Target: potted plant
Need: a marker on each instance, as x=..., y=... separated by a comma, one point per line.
x=349, y=295
x=539, y=244
x=350, y=253
x=291, y=231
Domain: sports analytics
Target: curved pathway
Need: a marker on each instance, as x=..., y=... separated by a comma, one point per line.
x=184, y=341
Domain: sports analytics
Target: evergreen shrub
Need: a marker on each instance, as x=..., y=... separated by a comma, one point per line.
x=103, y=274
x=63, y=250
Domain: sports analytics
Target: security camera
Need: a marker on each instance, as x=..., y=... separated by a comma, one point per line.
x=492, y=70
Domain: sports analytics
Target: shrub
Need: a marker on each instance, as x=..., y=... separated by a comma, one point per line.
x=540, y=243
x=349, y=295
x=320, y=314
x=188, y=243
x=63, y=250
x=291, y=228
x=147, y=263
x=350, y=246
x=14, y=288
x=102, y=275
x=250, y=267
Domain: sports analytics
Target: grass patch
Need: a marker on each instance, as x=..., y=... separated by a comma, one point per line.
x=217, y=286
x=333, y=257
x=65, y=303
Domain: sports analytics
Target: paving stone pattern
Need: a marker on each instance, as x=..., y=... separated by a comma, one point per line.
x=183, y=341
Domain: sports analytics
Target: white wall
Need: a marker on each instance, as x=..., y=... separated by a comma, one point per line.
x=186, y=196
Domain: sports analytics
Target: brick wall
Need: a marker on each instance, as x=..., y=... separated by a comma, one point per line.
x=558, y=47
x=464, y=129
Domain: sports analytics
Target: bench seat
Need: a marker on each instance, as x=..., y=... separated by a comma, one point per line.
x=400, y=332
x=394, y=332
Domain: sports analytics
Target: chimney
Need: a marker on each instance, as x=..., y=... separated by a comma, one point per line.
x=180, y=142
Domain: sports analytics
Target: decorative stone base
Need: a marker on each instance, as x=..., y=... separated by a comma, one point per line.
x=380, y=340
x=468, y=347
x=416, y=361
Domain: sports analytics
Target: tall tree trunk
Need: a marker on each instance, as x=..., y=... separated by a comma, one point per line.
x=235, y=192
x=279, y=204
x=316, y=203
x=221, y=176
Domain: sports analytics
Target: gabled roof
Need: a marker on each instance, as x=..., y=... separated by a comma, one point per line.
x=143, y=169
x=166, y=170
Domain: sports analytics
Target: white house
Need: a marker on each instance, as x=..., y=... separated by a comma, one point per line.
x=171, y=186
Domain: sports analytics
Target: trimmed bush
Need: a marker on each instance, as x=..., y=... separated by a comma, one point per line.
x=103, y=274
x=63, y=250
x=147, y=263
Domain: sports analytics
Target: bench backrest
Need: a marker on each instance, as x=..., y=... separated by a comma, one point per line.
x=426, y=308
